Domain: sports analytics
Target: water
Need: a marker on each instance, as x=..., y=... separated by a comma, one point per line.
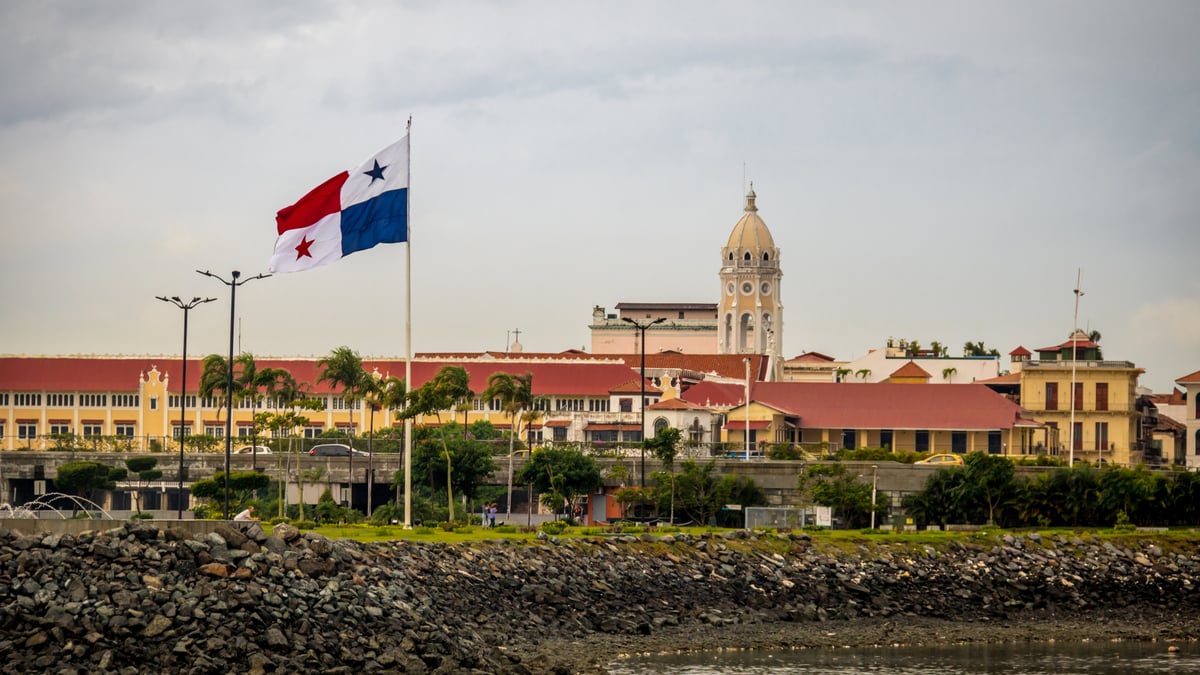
x=1090, y=658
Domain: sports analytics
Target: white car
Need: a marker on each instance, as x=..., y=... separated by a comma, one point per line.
x=249, y=450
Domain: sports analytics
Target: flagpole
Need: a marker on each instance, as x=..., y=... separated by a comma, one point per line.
x=408, y=336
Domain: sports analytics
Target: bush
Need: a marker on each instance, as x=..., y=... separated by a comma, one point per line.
x=505, y=529
x=305, y=525
x=277, y=520
x=423, y=530
x=140, y=515
x=554, y=527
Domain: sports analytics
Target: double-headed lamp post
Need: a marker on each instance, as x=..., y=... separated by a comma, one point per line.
x=642, y=327
x=185, y=306
x=233, y=284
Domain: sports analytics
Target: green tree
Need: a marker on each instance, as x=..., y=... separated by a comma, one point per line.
x=85, y=479
x=665, y=446
x=841, y=374
x=142, y=466
x=344, y=368
x=862, y=373
x=449, y=386
x=243, y=486
x=471, y=458
x=701, y=493
x=516, y=395
x=949, y=373
x=561, y=473
x=989, y=480
x=978, y=349
x=834, y=486
x=214, y=379
x=939, y=350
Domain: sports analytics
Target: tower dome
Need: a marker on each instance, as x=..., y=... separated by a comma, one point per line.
x=751, y=233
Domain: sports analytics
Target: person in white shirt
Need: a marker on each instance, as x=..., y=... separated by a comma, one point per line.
x=248, y=514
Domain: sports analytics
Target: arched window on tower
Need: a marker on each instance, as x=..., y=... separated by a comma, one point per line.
x=745, y=333
x=766, y=256
x=731, y=256
x=728, y=334
x=746, y=256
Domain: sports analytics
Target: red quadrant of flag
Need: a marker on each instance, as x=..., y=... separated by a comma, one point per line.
x=321, y=201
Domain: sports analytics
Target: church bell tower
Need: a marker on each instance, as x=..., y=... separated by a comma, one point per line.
x=750, y=313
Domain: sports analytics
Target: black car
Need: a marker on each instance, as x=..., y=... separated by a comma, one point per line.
x=335, y=450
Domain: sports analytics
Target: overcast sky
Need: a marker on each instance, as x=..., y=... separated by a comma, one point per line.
x=931, y=171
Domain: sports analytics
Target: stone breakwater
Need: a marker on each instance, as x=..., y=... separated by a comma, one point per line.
x=140, y=599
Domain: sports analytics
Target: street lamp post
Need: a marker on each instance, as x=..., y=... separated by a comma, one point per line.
x=642, y=327
x=185, y=306
x=874, y=484
x=233, y=284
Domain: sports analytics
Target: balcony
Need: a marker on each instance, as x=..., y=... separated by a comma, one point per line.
x=1079, y=365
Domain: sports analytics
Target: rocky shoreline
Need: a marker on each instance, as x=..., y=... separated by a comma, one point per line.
x=138, y=598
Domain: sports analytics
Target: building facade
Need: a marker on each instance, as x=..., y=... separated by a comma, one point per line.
x=1089, y=405
x=1191, y=441
x=750, y=311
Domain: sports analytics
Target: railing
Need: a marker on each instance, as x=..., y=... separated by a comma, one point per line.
x=1078, y=364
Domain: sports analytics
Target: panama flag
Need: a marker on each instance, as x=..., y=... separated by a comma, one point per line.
x=353, y=211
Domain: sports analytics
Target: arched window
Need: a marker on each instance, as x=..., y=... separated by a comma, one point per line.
x=660, y=424
x=731, y=256
x=746, y=256
x=745, y=332
x=766, y=256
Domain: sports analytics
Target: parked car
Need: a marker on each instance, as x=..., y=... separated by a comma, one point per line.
x=335, y=450
x=249, y=450
x=943, y=460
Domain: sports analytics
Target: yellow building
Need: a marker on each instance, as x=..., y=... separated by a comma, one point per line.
x=1101, y=405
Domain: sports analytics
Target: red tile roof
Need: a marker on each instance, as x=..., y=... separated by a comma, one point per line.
x=120, y=374
x=634, y=386
x=829, y=405
x=811, y=356
x=720, y=394
x=724, y=365
x=1008, y=378
x=910, y=369
x=1194, y=378
x=675, y=404
x=1079, y=344
x=1020, y=351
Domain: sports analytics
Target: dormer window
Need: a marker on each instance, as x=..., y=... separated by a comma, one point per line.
x=766, y=257
x=746, y=257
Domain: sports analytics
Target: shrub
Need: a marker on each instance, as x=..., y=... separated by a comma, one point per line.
x=506, y=529
x=140, y=515
x=554, y=527
x=423, y=530
x=305, y=525
x=277, y=520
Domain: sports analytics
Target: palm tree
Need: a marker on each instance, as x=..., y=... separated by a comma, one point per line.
x=841, y=374
x=516, y=395
x=344, y=368
x=451, y=385
x=214, y=377
x=863, y=373
x=949, y=373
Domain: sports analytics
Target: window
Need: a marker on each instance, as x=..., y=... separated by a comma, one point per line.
x=572, y=404
x=1101, y=396
x=93, y=430
x=126, y=430
x=312, y=432
x=26, y=431
x=154, y=403
x=173, y=401
x=210, y=402
x=60, y=400
x=3, y=401
x=633, y=436
x=27, y=400
x=125, y=400
x=598, y=405
x=477, y=404
x=1077, y=436
x=1079, y=396
x=216, y=431
x=995, y=446
x=176, y=431
x=244, y=432
x=659, y=425
x=93, y=400
x=604, y=436
x=560, y=434
x=849, y=439
x=681, y=315
x=60, y=429
x=958, y=442
x=626, y=404
x=885, y=439
x=1101, y=436
x=494, y=404
x=922, y=440
x=1051, y=396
